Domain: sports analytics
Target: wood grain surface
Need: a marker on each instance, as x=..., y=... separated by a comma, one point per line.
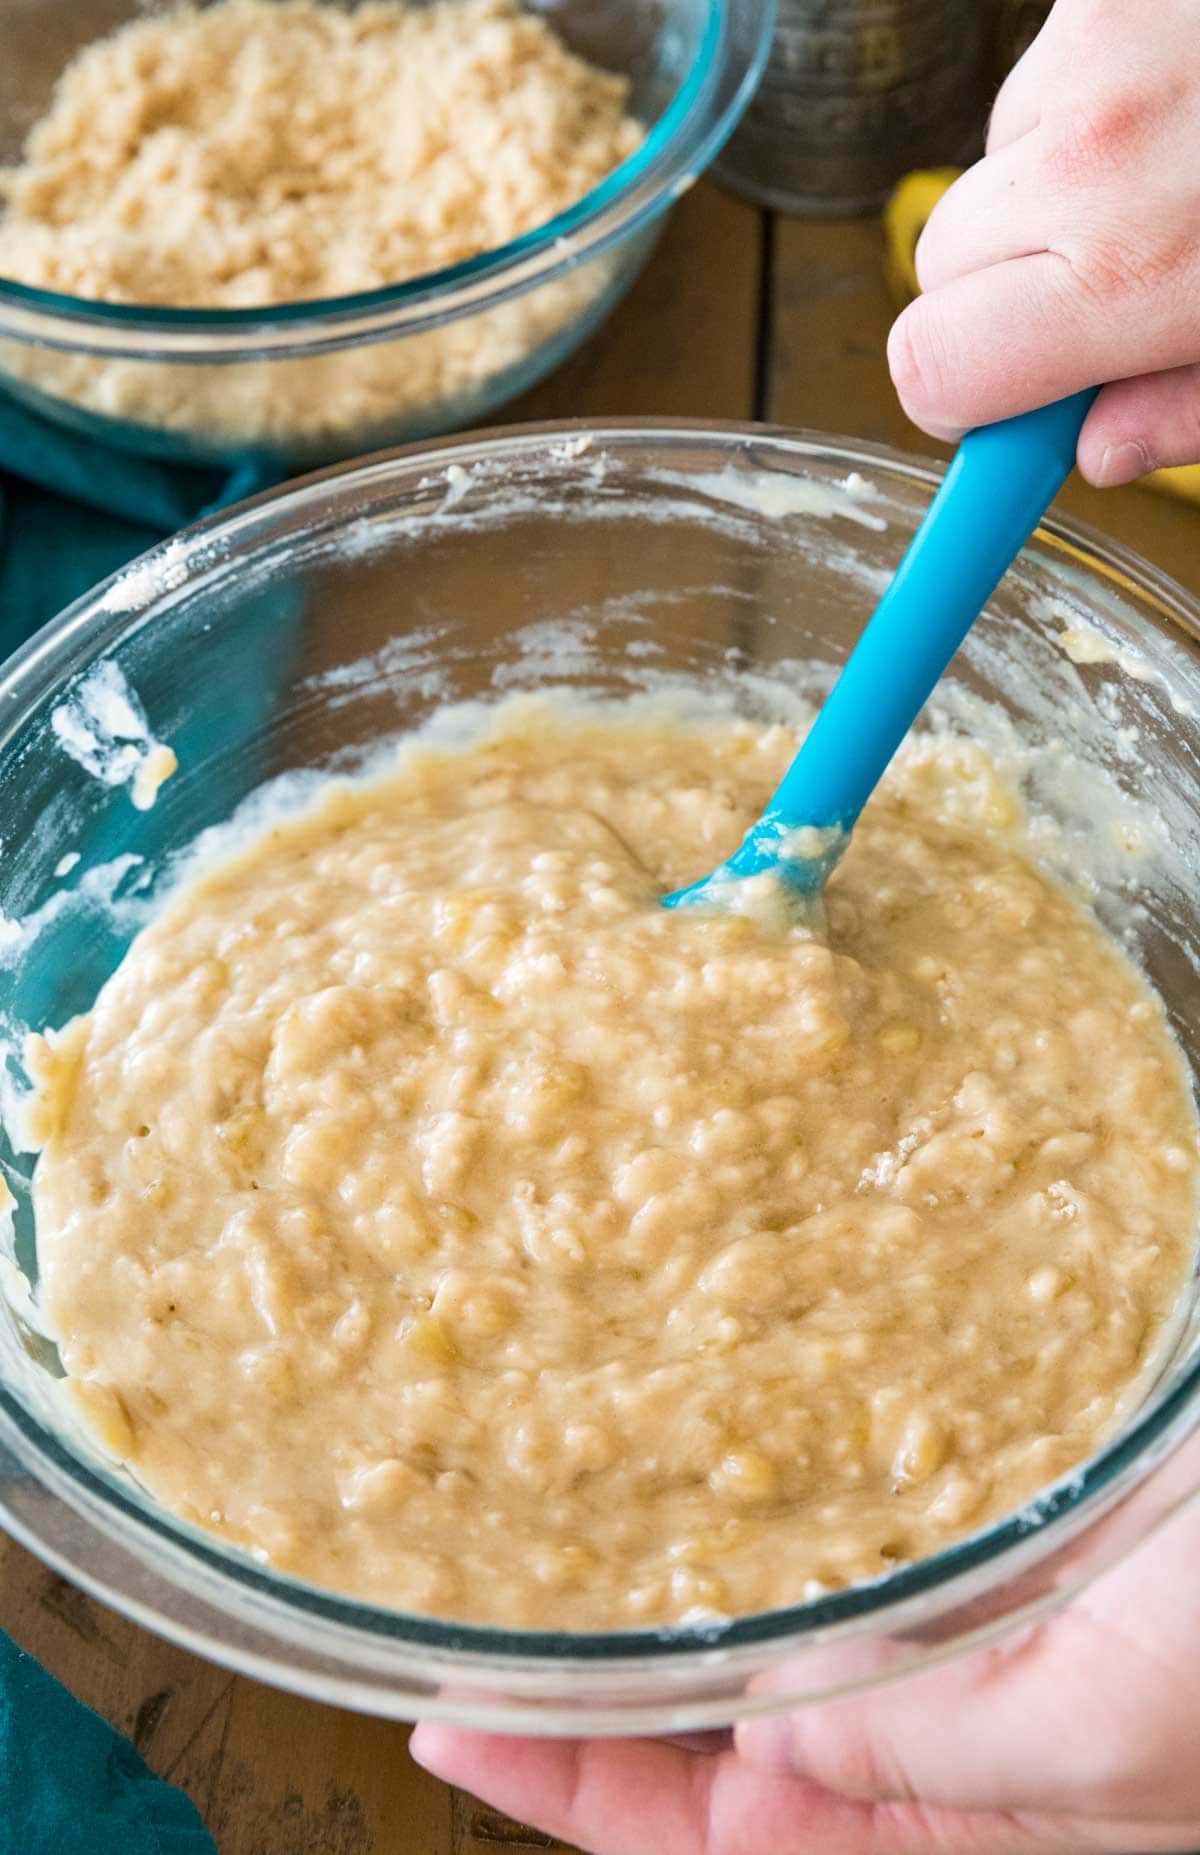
x=738, y=315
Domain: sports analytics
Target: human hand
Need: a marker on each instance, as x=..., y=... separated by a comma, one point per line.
x=1070, y=255
x=1081, y=1736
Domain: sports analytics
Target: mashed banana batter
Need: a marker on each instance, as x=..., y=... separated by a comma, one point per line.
x=426, y=1210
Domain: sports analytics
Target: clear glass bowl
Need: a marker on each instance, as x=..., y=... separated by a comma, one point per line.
x=310, y=382
x=305, y=628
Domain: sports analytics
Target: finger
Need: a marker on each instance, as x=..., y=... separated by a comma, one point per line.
x=1027, y=331
x=993, y=212
x=991, y=344
x=621, y=1796
x=1022, y=333
x=1135, y=426
x=625, y=1797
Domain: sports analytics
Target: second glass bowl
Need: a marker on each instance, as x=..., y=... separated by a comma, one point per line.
x=306, y=383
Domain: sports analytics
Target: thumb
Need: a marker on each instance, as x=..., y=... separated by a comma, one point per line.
x=1092, y=1714
x=968, y=1735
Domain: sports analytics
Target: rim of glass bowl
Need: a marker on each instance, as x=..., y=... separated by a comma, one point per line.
x=90, y=626
x=703, y=112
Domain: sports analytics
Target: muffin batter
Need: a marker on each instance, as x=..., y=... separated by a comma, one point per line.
x=426, y=1210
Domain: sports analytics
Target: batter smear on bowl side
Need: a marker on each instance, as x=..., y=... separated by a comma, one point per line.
x=425, y=1209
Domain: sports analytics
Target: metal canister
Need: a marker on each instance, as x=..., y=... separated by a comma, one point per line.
x=856, y=92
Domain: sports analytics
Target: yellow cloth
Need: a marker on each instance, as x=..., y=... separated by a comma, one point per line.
x=904, y=219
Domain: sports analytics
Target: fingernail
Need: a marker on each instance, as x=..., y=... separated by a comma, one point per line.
x=766, y=1743
x=1123, y=463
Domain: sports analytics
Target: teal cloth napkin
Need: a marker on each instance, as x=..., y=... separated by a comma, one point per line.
x=70, y=1785
x=71, y=512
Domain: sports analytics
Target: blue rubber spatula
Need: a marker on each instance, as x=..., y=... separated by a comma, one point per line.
x=996, y=491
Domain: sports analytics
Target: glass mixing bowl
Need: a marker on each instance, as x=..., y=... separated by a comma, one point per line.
x=304, y=629
x=309, y=382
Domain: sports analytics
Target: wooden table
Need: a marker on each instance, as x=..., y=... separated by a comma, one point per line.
x=740, y=315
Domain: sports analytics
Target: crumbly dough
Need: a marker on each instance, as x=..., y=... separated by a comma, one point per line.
x=256, y=152
x=430, y=1212
x=269, y=151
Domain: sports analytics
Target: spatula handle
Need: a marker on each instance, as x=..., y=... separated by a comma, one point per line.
x=999, y=485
